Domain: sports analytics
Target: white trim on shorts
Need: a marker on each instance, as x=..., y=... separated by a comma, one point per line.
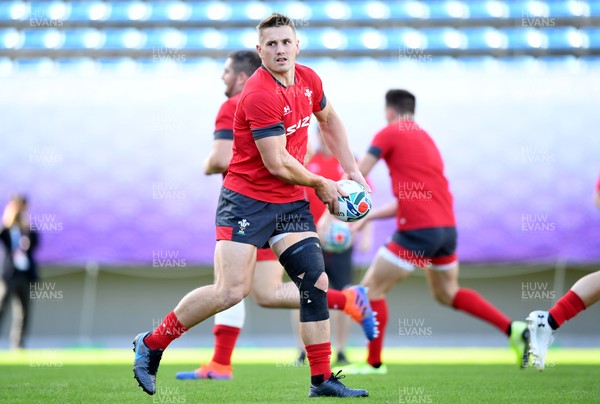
x=394, y=259
x=276, y=238
x=444, y=267
x=389, y=256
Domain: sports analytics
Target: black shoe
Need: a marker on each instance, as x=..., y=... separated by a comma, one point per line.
x=341, y=359
x=145, y=364
x=301, y=361
x=332, y=387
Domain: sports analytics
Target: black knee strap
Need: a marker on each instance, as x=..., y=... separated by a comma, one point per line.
x=306, y=257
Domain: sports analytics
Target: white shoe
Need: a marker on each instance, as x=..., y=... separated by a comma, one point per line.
x=540, y=337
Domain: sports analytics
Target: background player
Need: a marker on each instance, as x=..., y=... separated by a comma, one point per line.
x=426, y=233
x=542, y=324
x=262, y=202
x=268, y=290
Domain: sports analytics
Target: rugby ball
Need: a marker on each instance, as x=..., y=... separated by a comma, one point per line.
x=337, y=237
x=356, y=205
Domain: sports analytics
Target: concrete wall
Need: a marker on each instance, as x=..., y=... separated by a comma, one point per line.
x=72, y=306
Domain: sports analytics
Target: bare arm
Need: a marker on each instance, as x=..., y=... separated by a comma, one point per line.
x=386, y=211
x=284, y=166
x=334, y=135
x=366, y=163
x=218, y=159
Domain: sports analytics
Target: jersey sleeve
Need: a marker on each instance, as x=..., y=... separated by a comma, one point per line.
x=264, y=115
x=224, y=122
x=380, y=145
x=319, y=100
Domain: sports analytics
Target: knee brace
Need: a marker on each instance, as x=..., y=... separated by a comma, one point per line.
x=304, y=264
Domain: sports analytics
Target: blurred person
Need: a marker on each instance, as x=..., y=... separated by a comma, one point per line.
x=338, y=265
x=426, y=234
x=268, y=290
x=19, y=268
x=542, y=324
x=261, y=204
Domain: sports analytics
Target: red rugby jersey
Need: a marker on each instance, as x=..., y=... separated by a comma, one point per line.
x=224, y=120
x=267, y=108
x=417, y=173
x=325, y=166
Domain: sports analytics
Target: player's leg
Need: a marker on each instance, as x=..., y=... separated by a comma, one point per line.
x=301, y=256
x=338, y=267
x=234, y=267
x=386, y=270
x=295, y=319
x=269, y=291
x=443, y=282
x=20, y=312
x=228, y=325
x=5, y=295
x=542, y=324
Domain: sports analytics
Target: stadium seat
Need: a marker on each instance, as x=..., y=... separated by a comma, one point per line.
x=82, y=11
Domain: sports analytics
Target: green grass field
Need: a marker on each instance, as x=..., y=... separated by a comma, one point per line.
x=417, y=375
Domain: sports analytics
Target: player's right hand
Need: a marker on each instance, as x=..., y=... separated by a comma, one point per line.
x=328, y=191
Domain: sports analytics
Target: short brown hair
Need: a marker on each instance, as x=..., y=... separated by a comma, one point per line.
x=276, y=20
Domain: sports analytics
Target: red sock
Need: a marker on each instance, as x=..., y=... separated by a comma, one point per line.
x=165, y=333
x=376, y=345
x=567, y=307
x=336, y=299
x=319, y=358
x=473, y=303
x=225, y=338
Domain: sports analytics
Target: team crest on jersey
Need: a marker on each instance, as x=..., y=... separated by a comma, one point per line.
x=243, y=224
x=308, y=94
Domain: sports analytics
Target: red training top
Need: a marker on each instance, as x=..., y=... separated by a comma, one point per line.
x=267, y=108
x=417, y=173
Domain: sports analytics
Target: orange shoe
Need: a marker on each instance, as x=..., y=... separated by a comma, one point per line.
x=212, y=370
x=359, y=308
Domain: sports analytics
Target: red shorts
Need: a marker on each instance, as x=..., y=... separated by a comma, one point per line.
x=265, y=254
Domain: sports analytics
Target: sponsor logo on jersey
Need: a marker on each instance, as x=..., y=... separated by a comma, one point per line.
x=304, y=122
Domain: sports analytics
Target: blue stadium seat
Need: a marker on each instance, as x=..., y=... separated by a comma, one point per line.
x=123, y=39
x=444, y=38
x=83, y=38
x=484, y=38
x=123, y=11
x=14, y=11
x=594, y=8
x=89, y=11
x=48, y=10
x=366, y=39
x=49, y=38
x=402, y=38
x=593, y=34
x=170, y=11
x=448, y=10
x=568, y=9
x=10, y=38
x=488, y=10
x=164, y=38
x=525, y=38
x=206, y=38
x=566, y=38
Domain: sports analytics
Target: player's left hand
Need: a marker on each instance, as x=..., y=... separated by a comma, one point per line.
x=358, y=177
